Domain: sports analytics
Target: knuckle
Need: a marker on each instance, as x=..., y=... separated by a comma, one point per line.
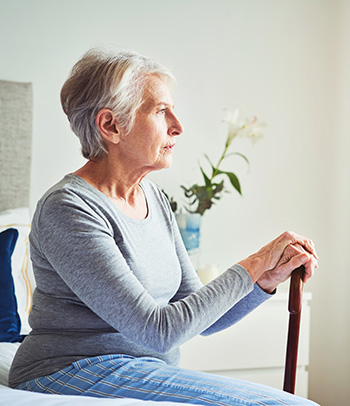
x=288, y=234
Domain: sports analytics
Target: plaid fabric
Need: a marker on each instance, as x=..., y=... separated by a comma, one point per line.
x=123, y=376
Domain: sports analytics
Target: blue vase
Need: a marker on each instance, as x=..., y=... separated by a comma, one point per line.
x=190, y=226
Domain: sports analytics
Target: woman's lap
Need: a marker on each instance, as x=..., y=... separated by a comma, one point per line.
x=116, y=376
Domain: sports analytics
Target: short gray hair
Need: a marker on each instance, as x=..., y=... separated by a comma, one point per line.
x=101, y=79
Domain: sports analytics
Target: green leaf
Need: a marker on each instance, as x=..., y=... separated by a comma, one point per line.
x=233, y=179
x=211, y=164
x=239, y=154
x=206, y=179
x=216, y=170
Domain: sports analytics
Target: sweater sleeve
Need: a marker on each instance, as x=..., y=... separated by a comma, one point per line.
x=237, y=312
x=79, y=245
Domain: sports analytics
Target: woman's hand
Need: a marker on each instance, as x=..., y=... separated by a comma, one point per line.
x=293, y=257
x=274, y=263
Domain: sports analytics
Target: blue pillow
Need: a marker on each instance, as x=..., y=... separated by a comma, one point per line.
x=10, y=324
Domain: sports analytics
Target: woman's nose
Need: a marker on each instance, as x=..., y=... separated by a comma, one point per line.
x=175, y=128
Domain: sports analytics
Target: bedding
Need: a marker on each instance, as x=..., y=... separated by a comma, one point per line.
x=21, y=398
x=22, y=277
x=7, y=352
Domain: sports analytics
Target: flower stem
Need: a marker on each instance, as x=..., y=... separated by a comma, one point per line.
x=215, y=171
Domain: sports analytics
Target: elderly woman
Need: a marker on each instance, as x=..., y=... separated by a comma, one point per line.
x=116, y=292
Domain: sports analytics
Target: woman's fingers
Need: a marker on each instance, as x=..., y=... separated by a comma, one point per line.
x=306, y=243
x=293, y=257
x=296, y=255
x=298, y=260
x=274, y=251
x=310, y=267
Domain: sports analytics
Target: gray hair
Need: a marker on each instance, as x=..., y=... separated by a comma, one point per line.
x=100, y=80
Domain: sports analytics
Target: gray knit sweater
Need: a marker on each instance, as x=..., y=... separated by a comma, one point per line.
x=109, y=284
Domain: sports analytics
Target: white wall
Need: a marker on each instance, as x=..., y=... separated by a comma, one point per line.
x=331, y=333
x=285, y=61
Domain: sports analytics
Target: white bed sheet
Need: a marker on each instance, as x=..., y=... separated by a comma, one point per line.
x=7, y=352
x=10, y=397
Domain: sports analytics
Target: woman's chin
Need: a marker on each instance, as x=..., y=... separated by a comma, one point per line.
x=165, y=163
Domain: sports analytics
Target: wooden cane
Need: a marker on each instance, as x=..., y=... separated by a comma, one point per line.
x=294, y=308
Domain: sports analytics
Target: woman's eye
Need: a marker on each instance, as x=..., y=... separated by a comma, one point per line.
x=162, y=111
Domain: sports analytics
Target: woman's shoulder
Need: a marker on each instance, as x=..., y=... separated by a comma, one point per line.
x=71, y=193
x=70, y=187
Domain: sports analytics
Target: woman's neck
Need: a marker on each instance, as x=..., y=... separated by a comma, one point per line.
x=120, y=185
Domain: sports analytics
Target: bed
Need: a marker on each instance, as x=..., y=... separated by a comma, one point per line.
x=16, y=279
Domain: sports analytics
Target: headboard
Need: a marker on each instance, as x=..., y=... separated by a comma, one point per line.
x=16, y=102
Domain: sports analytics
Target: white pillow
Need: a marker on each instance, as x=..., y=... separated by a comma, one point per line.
x=7, y=353
x=21, y=269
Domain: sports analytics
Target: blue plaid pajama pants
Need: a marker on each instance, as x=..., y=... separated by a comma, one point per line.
x=123, y=376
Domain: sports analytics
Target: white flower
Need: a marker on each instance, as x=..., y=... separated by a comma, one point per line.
x=249, y=128
x=232, y=118
x=252, y=129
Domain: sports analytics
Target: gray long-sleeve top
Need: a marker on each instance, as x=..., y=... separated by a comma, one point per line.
x=109, y=284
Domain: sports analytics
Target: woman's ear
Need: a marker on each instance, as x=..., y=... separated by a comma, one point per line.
x=108, y=126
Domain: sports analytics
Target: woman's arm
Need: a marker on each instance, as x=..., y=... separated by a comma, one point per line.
x=263, y=269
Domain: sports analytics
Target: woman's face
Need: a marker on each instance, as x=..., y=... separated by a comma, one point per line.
x=149, y=145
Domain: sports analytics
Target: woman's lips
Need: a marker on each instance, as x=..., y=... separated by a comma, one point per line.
x=169, y=147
